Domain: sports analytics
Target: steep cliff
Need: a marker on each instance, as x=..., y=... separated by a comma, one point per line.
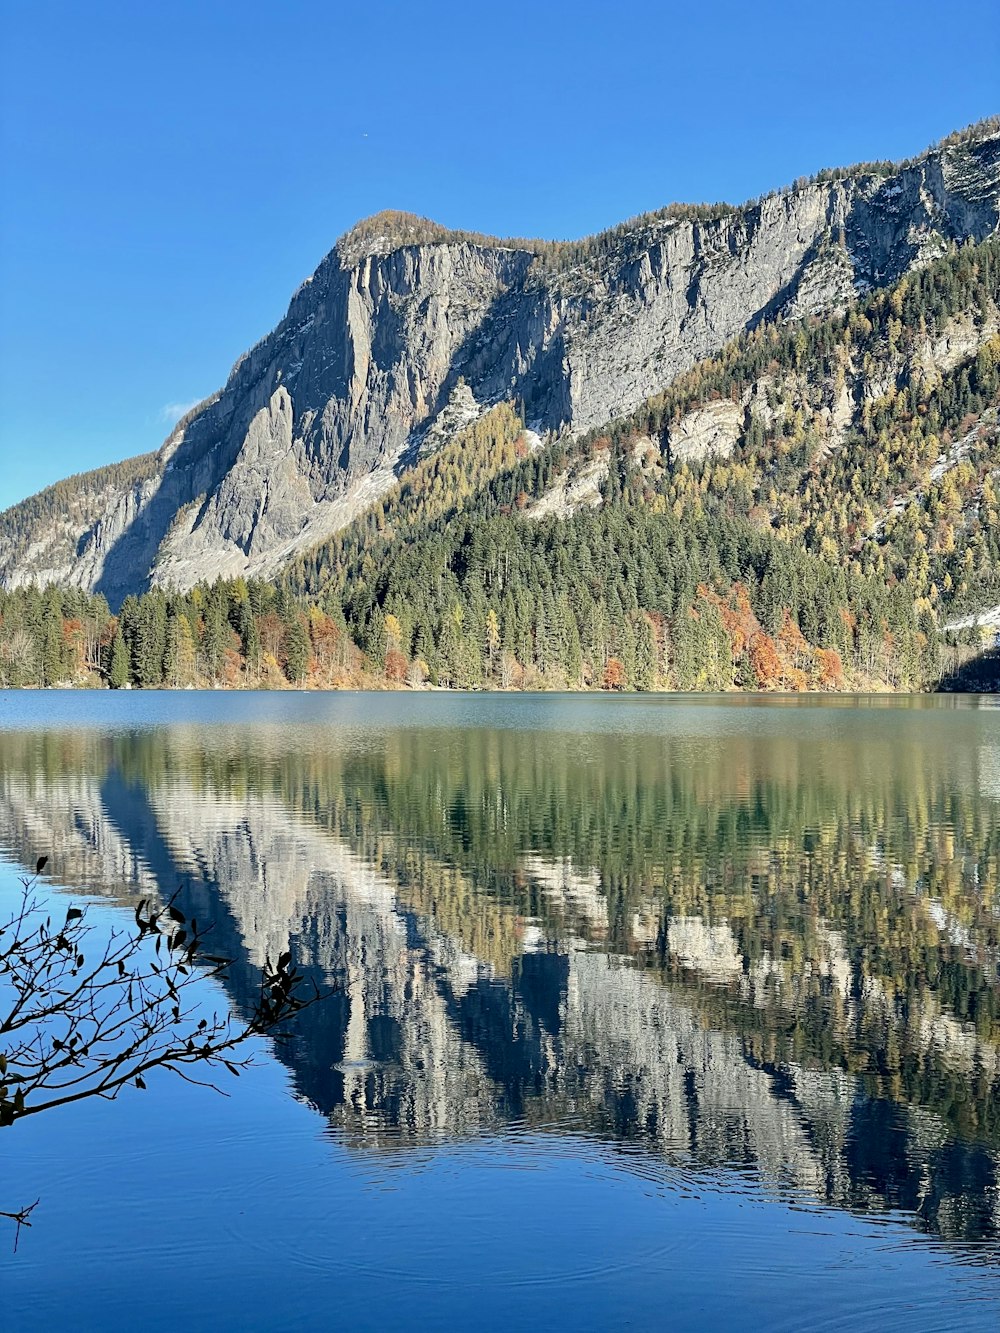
x=405, y=326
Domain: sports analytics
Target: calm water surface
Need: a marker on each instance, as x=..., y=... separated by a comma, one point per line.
x=651, y=1013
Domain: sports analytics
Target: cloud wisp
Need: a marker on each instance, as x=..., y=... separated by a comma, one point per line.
x=171, y=413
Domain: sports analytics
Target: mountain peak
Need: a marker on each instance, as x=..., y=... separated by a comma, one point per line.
x=385, y=231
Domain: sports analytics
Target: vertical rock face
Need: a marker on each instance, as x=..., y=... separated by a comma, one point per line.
x=323, y=413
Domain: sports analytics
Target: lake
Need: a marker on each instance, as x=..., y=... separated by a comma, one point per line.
x=648, y=1012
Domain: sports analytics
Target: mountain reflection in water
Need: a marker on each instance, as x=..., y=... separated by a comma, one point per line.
x=752, y=951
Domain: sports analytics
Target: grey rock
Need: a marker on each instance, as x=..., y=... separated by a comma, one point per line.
x=712, y=429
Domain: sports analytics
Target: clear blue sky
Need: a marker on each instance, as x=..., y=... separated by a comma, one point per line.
x=172, y=171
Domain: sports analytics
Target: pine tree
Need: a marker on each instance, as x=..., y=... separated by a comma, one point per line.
x=118, y=671
x=297, y=651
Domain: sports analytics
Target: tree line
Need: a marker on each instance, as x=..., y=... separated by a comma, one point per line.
x=236, y=633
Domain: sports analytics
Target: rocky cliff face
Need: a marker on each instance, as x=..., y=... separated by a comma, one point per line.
x=400, y=330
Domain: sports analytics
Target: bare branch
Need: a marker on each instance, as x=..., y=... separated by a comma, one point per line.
x=74, y=1029
x=23, y=1219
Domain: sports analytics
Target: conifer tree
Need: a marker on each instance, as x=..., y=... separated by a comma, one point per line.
x=118, y=671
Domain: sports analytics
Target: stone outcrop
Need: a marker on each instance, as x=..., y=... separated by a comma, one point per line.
x=399, y=332
x=712, y=429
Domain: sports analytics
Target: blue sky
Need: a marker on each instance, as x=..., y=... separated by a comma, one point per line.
x=171, y=172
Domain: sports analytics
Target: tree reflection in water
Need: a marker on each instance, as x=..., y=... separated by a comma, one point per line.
x=739, y=950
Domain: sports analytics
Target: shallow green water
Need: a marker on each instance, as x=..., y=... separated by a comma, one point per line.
x=650, y=1012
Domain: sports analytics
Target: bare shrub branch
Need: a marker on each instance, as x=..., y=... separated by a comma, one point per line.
x=82, y=1018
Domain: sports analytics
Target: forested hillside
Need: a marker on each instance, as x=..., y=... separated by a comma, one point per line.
x=810, y=509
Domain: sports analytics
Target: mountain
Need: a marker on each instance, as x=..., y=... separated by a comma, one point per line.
x=815, y=507
x=407, y=333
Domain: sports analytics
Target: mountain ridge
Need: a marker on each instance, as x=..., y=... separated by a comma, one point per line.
x=399, y=227
x=321, y=416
